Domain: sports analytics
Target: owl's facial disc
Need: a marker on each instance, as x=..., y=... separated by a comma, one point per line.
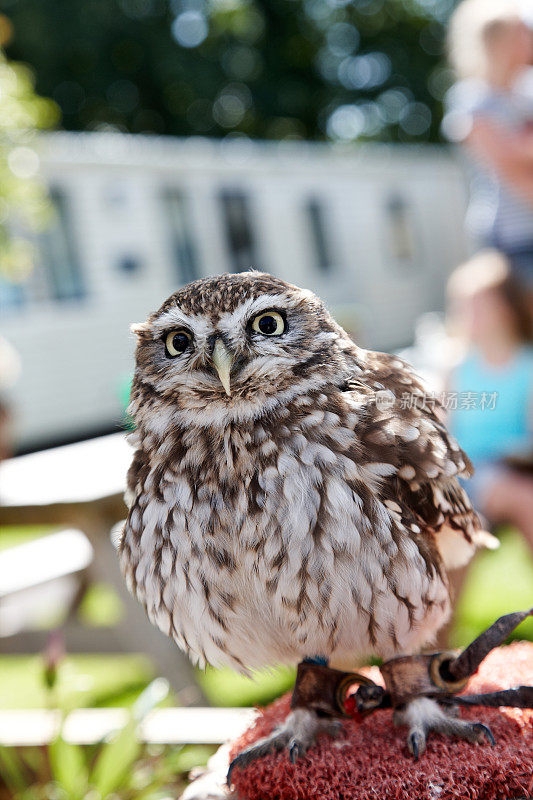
x=236, y=347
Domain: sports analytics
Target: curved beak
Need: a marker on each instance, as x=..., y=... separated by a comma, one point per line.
x=222, y=359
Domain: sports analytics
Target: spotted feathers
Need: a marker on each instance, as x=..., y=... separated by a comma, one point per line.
x=301, y=514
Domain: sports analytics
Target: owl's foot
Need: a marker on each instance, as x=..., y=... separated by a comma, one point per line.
x=424, y=715
x=296, y=735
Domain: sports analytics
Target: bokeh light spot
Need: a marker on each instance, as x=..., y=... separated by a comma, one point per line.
x=346, y=122
x=415, y=119
x=23, y=162
x=392, y=103
x=342, y=38
x=231, y=105
x=242, y=62
x=364, y=72
x=190, y=28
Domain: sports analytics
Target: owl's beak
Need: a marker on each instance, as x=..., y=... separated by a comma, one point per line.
x=222, y=359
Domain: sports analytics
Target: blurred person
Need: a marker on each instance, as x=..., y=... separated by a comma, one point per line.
x=490, y=111
x=493, y=383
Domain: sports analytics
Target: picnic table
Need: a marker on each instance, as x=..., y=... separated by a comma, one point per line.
x=81, y=486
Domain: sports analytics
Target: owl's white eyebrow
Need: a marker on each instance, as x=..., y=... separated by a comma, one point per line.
x=176, y=318
x=201, y=326
x=252, y=307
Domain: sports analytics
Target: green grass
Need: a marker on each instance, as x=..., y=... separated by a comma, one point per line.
x=83, y=681
x=498, y=582
x=223, y=687
x=11, y=536
x=101, y=606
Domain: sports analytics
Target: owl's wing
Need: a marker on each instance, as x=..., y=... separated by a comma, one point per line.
x=137, y=472
x=405, y=440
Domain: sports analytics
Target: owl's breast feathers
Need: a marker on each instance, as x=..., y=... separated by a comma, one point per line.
x=327, y=524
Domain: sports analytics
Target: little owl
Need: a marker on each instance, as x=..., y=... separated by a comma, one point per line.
x=291, y=496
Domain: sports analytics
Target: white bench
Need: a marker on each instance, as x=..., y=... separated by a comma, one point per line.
x=41, y=575
x=34, y=728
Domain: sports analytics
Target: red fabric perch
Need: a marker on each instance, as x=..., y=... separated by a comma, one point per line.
x=372, y=761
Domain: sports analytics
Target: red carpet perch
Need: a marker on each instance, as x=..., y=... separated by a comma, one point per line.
x=372, y=761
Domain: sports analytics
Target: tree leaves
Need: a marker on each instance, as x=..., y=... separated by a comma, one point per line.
x=161, y=66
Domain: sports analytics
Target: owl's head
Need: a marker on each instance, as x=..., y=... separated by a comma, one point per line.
x=235, y=346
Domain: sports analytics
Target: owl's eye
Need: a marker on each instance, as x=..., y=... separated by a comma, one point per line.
x=176, y=342
x=269, y=323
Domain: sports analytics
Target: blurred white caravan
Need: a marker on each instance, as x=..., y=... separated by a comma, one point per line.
x=373, y=229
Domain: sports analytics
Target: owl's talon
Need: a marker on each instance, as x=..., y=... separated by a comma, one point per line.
x=423, y=715
x=485, y=731
x=297, y=734
x=294, y=751
x=416, y=742
x=269, y=744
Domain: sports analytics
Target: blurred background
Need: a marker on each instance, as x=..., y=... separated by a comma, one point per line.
x=379, y=152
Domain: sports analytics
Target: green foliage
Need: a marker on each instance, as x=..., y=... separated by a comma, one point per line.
x=499, y=582
x=12, y=535
x=225, y=687
x=23, y=202
x=114, y=762
x=365, y=69
x=12, y=770
x=101, y=606
x=119, y=767
x=68, y=767
x=82, y=680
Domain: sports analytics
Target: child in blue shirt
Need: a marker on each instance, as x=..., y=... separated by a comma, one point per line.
x=493, y=383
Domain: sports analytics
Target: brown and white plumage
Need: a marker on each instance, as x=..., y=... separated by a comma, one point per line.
x=296, y=516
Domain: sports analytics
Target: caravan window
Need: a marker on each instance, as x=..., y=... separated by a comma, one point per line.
x=400, y=229
x=319, y=234
x=58, y=253
x=55, y=272
x=183, y=250
x=12, y=295
x=236, y=216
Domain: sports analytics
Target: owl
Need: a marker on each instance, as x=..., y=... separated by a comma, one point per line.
x=292, y=496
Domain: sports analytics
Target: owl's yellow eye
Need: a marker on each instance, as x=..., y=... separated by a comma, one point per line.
x=176, y=342
x=269, y=323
